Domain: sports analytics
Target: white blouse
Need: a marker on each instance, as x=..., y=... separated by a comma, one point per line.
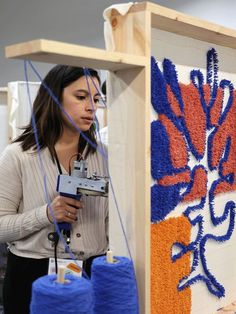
x=25, y=190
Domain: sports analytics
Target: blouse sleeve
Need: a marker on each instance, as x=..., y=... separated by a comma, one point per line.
x=13, y=224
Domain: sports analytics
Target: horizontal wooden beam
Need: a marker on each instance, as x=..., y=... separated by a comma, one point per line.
x=179, y=23
x=49, y=51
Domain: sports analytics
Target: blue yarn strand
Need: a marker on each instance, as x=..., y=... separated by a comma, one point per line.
x=47, y=198
x=101, y=151
x=132, y=299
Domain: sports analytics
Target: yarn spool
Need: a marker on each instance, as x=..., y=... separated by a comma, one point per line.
x=74, y=296
x=114, y=285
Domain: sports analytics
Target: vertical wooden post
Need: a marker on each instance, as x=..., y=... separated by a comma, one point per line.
x=129, y=147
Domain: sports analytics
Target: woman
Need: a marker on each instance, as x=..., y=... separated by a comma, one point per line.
x=26, y=219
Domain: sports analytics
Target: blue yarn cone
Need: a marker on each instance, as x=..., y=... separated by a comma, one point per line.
x=115, y=288
x=51, y=297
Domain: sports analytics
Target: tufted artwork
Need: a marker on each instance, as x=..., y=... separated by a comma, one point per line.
x=192, y=162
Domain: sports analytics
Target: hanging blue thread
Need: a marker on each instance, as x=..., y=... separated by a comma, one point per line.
x=101, y=151
x=129, y=301
x=47, y=198
x=72, y=297
x=115, y=289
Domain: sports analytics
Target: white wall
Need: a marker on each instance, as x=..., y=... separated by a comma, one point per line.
x=217, y=11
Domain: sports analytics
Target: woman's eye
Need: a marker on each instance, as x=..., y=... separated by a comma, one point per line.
x=80, y=97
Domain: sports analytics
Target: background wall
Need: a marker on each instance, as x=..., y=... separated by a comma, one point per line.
x=79, y=22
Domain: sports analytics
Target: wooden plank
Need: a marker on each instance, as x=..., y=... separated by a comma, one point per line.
x=129, y=147
x=129, y=123
x=49, y=51
x=179, y=23
x=131, y=32
x=129, y=164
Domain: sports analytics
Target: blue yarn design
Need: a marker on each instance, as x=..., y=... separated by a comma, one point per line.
x=158, y=90
x=171, y=77
x=159, y=95
x=223, y=84
x=193, y=174
x=212, y=75
x=208, y=278
x=229, y=205
x=164, y=199
x=160, y=148
x=160, y=100
x=197, y=79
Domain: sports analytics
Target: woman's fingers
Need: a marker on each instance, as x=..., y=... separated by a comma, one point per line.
x=71, y=213
x=72, y=202
x=64, y=209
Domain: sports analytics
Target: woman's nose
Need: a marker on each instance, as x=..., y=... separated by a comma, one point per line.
x=91, y=105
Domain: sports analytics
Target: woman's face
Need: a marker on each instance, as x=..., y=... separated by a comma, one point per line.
x=79, y=104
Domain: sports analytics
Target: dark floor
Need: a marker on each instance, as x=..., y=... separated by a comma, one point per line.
x=3, y=261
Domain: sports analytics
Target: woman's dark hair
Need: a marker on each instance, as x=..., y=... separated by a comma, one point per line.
x=48, y=115
x=104, y=88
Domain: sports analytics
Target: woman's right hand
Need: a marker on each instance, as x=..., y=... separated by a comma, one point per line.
x=64, y=209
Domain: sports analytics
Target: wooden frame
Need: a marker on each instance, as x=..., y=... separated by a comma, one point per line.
x=62, y=53
x=129, y=110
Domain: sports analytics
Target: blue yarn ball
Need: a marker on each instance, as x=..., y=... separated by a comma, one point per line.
x=115, y=287
x=51, y=297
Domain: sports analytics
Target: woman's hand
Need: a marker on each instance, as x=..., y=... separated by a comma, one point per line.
x=64, y=209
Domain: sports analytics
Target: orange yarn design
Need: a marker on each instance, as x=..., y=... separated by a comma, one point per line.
x=165, y=274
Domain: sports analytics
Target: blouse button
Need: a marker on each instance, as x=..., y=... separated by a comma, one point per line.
x=78, y=235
